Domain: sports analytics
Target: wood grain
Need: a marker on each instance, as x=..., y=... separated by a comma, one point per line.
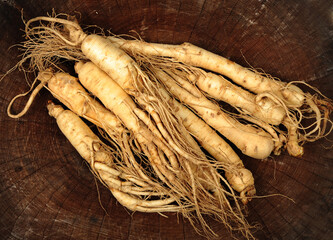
x=47, y=192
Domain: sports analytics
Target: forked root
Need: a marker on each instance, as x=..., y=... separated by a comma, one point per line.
x=286, y=96
x=71, y=43
x=318, y=114
x=171, y=173
x=321, y=113
x=195, y=56
x=261, y=144
x=100, y=158
x=29, y=102
x=247, y=194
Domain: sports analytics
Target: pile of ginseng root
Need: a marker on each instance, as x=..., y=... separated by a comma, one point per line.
x=161, y=142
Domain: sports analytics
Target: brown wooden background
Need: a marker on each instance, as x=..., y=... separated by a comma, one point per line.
x=47, y=192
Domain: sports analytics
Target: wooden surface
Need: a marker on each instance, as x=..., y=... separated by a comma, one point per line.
x=47, y=192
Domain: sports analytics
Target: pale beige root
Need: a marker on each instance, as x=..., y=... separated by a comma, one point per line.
x=317, y=114
x=70, y=36
x=135, y=196
x=125, y=71
x=126, y=183
x=205, y=206
x=114, y=98
x=43, y=40
x=204, y=175
x=29, y=102
x=261, y=111
x=199, y=57
x=321, y=109
x=251, y=141
x=313, y=111
x=220, y=88
x=239, y=178
x=120, y=103
x=69, y=91
x=78, y=133
x=279, y=139
x=271, y=93
x=41, y=51
x=193, y=74
x=182, y=187
x=214, y=202
x=117, y=100
x=87, y=145
x=162, y=132
x=136, y=204
x=61, y=38
x=293, y=147
x=90, y=147
x=264, y=110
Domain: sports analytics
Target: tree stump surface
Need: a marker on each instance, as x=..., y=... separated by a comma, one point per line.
x=46, y=190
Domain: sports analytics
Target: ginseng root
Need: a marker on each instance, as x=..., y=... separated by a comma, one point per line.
x=99, y=157
x=240, y=178
x=62, y=34
x=198, y=184
x=251, y=141
x=286, y=99
x=199, y=57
